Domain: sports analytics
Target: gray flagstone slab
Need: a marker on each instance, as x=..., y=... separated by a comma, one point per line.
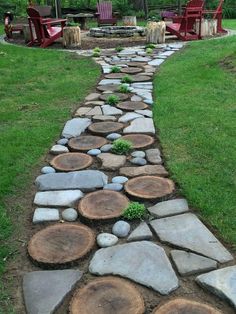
x=75, y=127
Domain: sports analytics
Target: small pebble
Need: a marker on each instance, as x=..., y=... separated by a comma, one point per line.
x=119, y=179
x=113, y=187
x=62, y=141
x=106, y=148
x=121, y=229
x=69, y=214
x=58, y=149
x=138, y=153
x=47, y=169
x=138, y=161
x=113, y=136
x=106, y=239
x=94, y=152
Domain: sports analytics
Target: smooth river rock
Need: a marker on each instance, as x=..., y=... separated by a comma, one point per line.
x=85, y=180
x=47, y=169
x=153, y=156
x=119, y=179
x=69, y=214
x=58, y=149
x=138, y=161
x=106, y=239
x=187, y=231
x=130, y=261
x=75, y=127
x=121, y=229
x=221, y=282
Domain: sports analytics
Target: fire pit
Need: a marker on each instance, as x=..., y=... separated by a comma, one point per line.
x=117, y=31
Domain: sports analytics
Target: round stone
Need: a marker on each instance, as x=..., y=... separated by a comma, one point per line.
x=138, y=153
x=106, y=239
x=119, y=179
x=62, y=141
x=47, y=169
x=94, y=152
x=113, y=136
x=86, y=142
x=106, y=148
x=69, y=214
x=121, y=229
x=113, y=187
x=138, y=161
x=58, y=149
x=183, y=306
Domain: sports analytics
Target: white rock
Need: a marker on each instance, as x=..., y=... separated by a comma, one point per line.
x=106, y=239
x=45, y=214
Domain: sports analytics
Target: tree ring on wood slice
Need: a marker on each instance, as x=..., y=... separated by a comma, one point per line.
x=119, y=95
x=136, y=64
x=71, y=161
x=183, y=306
x=141, y=78
x=103, y=204
x=114, y=76
x=86, y=142
x=105, y=127
x=139, y=140
x=131, y=70
x=61, y=244
x=110, y=87
x=132, y=105
x=107, y=295
x=149, y=187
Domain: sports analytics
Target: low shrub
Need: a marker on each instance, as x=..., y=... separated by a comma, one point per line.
x=126, y=79
x=112, y=100
x=134, y=210
x=115, y=69
x=121, y=147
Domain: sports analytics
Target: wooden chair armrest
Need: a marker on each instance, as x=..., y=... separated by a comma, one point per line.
x=53, y=21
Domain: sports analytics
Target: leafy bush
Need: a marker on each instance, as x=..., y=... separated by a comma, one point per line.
x=134, y=210
x=124, y=88
x=121, y=147
x=115, y=69
x=126, y=79
x=112, y=100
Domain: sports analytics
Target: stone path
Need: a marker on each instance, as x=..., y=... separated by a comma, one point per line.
x=82, y=193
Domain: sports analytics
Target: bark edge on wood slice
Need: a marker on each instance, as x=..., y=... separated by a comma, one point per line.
x=149, y=187
x=107, y=295
x=71, y=161
x=86, y=142
x=132, y=105
x=182, y=306
x=60, y=244
x=105, y=127
x=102, y=205
x=139, y=140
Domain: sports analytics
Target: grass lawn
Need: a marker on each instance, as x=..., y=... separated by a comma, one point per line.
x=39, y=90
x=231, y=24
x=195, y=111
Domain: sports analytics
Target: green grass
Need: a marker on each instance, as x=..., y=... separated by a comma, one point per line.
x=195, y=111
x=39, y=91
x=231, y=24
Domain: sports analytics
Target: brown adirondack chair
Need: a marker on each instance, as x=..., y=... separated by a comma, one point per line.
x=47, y=30
x=104, y=14
x=184, y=26
x=217, y=14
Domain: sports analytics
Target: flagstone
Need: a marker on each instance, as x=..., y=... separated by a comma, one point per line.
x=142, y=232
x=140, y=125
x=75, y=127
x=129, y=116
x=168, y=208
x=143, y=170
x=58, y=198
x=111, y=161
x=45, y=214
x=153, y=156
x=99, y=118
x=111, y=110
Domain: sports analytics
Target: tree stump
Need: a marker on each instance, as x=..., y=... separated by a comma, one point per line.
x=71, y=37
x=86, y=142
x=156, y=32
x=107, y=295
x=129, y=20
x=208, y=27
x=71, y=161
x=139, y=140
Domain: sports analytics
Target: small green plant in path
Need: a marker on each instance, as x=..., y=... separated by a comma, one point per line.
x=121, y=147
x=134, y=210
x=124, y=89
x=115, y=69
x=96, y=52
x=149, y=51
x=119, y=49
x=127, y=79
x=112, y=100
x=150, y=46
x=97, y=49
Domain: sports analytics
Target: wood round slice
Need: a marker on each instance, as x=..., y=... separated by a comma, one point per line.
x=119, y=95
x=132, y=105
x=103, y=204
x=131, y=70
x=139, y=140
x=71, y=161
x=136, y=64
x=105, y=127
x=61, y=244
x=86, y=142
x=107, y=295
x=149, y=187
x=115, y=76
x=183, y=306
x=141, y=78
x=110, y=87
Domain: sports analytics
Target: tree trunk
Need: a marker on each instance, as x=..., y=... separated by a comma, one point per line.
x=71, y=37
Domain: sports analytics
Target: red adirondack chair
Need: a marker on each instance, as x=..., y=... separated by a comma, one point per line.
x=47, y=30
x=217, y=14
x=183, y=26
x=104, y=14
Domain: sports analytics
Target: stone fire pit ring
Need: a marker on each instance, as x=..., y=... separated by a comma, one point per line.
x=118, y=31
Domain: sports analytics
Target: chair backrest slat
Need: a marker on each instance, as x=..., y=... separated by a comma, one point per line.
x=105, y=10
